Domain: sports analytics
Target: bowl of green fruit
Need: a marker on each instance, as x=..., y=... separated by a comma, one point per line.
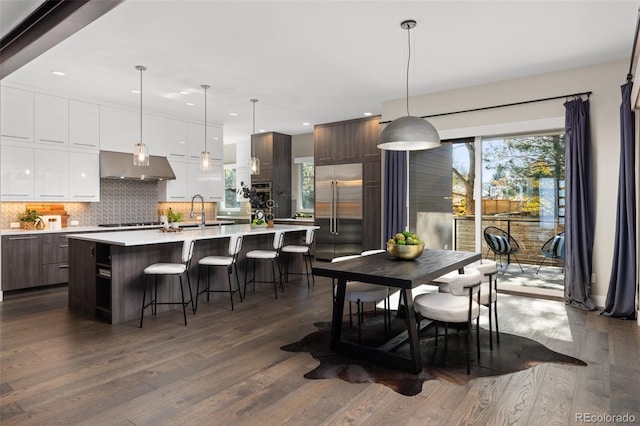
x=405, y=245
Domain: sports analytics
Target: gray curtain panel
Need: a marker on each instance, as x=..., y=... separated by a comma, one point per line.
x=621, y=296
x=395, y=196
x=579, y=226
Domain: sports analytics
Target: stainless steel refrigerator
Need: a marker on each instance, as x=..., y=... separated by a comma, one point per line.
x=338, y=212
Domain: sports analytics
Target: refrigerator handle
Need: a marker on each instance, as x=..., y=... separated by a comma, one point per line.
x=335, y=208
x=331, y=210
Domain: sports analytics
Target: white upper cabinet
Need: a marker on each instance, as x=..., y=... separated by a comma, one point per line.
x=17, y=173
x=51, y=120
x=176, y=138
x=16, y=115
x=52, y=175
x=119, y=129
x=84, y=176
x=195, y=140
x=154, y=134
x=215, y=141
x=84, y=125
x=176, y=189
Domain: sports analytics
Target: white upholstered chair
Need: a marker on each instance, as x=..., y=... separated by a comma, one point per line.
x=305, y=251
x=271, y=255
x=168, y=269
x=228, y=262
x=457, y=306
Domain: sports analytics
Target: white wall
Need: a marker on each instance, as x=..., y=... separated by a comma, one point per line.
x=603, y=80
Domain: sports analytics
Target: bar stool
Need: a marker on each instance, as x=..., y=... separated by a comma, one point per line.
x=305, y=251
x=178, y=269
x=235, y=245
x=273, y=256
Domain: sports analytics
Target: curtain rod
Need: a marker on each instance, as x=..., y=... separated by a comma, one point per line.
x=633, y=50
x=501, y=106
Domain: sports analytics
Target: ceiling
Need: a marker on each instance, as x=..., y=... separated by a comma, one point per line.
x=318, y=61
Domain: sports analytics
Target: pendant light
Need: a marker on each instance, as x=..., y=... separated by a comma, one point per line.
x=205, y=162
x=254, y=164
x=140, y=153
x=409, y=133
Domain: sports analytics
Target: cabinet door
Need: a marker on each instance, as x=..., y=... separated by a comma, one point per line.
x=16, y=115
x=119, y=129
x=262, y=147
x=177, y=189
x=209, y=184
x=195, y=140
x=84, y=176
x=84, y=125
x=215, y=142
x=21, y=261
x=196, y=180
x=17, y=173
x=322, y=146
x=51, y=119
x=176, y=139
x=154, y=134
x=55, y=259
x=52, y=175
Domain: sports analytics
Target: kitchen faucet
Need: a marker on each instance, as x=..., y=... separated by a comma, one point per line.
x=202, y=225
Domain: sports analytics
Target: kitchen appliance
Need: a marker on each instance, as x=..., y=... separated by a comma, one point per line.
x=118, y=165
x=52, y=221
x=338, y=202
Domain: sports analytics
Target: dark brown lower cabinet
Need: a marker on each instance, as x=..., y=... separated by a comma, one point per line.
x=21, y=261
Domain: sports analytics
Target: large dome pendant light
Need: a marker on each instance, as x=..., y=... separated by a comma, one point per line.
x=254, y=164
x=409, y=133
x=205, y=162
x=140, y=153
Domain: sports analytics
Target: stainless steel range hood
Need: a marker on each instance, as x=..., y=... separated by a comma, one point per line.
x=119, y=165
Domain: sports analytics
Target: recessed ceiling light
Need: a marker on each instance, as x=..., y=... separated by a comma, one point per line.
x=184, y=92
x=58, y=73
x=216, y=138
x=367, y=114
x=189, y=104
x=233, y=114
x=135, y=91
x=261, y=130
x=305, y=123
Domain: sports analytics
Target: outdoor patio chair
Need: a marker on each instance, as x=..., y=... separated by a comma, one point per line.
x=553, y=248
x=501, y=243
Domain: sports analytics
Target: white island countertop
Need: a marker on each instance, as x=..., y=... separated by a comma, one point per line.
x=156, y=236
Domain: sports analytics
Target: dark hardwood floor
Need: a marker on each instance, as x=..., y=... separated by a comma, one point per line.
x=227, y=368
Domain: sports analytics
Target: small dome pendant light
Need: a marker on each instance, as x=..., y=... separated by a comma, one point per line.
x=140, y=153
x=205, y=161
x=409, y=133
x=254, y=163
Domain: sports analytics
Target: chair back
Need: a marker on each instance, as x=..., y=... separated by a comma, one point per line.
x=308, y=240
x=187, y=251
x=460, y=284
x=235, y=244
x=499, y=241
x=554, y=247
x=341, y=258
x=278, y=240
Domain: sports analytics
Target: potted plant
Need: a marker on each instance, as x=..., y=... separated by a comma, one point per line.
x=30, y=219
x=173, y=218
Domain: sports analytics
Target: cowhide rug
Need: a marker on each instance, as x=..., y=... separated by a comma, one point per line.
x=513, y=353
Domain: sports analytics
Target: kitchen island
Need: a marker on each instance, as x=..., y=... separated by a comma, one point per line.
x=106, y=278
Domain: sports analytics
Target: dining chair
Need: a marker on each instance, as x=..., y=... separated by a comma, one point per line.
x=501, y=243
x=271, y=255
x=168, y=269
x=553, y=248
x=360, y=293
x=229, y=262
x=457, y=306
x=305, y=251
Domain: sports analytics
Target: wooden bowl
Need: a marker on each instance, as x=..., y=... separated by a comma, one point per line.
x=406, y=252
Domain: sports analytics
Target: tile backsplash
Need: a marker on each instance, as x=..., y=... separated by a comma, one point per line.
x=121, y=201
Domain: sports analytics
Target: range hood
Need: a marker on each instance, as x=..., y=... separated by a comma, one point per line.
x=119, y=165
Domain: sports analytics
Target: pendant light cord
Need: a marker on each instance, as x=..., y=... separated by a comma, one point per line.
x=205, y=87
x=253, y=101
x=408, y=64
x=141, y=69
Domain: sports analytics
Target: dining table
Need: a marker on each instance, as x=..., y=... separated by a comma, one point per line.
x=404, y=275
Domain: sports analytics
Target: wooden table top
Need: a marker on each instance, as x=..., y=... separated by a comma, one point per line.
x=385, y=270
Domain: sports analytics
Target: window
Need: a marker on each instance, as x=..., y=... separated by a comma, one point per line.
x=306, y=181
x=230, y=194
